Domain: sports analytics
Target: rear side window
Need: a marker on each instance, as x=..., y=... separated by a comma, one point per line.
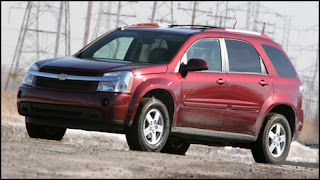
x=279, y=61
x=242, y=57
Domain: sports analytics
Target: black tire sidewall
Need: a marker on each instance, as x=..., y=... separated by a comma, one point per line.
x=34, y=131
x=44, y=132
x=172, y=148
x=153, y=103
x=276, y=118
x=54, y=133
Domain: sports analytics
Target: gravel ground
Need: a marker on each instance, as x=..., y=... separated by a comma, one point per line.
x=82, y=154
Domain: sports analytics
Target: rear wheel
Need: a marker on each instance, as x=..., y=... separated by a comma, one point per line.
x=274, y=140
x=45, y=132
x=150, y=129
x=175, y=146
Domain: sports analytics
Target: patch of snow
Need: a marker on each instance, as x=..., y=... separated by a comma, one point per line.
x=298, y=152
x=301, y=153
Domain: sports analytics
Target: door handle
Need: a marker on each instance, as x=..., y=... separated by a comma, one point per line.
x=221, y=81
x=263, y=83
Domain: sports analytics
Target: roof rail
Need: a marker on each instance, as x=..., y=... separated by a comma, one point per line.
x=242, y=32
x=201, y=26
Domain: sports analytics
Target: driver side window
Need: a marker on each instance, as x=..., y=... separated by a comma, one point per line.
x=207, y=49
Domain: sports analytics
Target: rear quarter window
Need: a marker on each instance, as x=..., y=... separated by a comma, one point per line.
x=279, y=60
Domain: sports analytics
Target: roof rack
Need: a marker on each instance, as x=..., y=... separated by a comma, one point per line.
x=239, y=31
x=201, y=26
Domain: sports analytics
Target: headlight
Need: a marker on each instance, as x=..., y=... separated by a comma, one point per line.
x=28, y=78
x=116, y=82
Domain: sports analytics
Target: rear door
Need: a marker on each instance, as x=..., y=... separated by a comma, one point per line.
x=203, y=92
x=249, y=86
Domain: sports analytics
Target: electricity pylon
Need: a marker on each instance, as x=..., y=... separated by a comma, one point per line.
x=160, y=12
x=44, y=31
x=110, y=15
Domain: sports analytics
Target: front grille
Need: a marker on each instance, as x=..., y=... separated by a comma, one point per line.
x=65, y=84
x=69, y=72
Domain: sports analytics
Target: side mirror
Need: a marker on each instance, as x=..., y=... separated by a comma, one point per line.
x=196, y=65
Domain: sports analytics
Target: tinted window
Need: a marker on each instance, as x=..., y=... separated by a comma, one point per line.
x=208, y=50
x=135, y=46
x=279, y=61
x=116, y=49
x=147, y=48
x=242, y=57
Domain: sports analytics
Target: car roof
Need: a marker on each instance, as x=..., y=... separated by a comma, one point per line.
x=189, y=29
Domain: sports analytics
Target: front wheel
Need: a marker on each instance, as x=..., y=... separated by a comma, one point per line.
x=151, y=127
x=44, y=132
x=274, y=140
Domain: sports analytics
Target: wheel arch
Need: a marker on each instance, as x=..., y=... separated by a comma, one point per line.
x=287, y=112
x=165, y=97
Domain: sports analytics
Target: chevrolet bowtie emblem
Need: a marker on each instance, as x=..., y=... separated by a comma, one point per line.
x=62, y=76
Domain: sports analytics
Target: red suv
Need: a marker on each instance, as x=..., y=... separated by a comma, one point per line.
x=169, y=87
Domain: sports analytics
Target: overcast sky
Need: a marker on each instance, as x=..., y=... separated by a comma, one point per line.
x=304, y=23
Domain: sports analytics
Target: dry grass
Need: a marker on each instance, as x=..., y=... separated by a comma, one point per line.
x=9, y=112
x=309, y=133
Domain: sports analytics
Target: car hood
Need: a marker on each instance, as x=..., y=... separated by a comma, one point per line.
x=71, y=63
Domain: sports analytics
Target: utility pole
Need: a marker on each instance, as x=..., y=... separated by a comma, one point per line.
x=248, y=15
x=58, y=30
x=171, y=12
x=154, y=11
x=88, y=24
x=286, y=33
x=37, y=39
x=256, y=15
x=119, y=13
x=195, y=12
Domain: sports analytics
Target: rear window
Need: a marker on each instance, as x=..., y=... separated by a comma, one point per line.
x=279, y=60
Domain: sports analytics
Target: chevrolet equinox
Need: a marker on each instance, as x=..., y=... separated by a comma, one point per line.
x=166, y=87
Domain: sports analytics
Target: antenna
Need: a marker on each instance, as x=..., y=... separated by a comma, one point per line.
x=234, y=24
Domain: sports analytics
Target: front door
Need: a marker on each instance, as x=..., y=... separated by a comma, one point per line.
x=203, y=92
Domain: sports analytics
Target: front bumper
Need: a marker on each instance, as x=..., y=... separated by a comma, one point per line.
x=101, y=111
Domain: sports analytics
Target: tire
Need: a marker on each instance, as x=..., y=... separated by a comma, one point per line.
x=175, y=146
x=150, y=129
x=274, y=140
x=45, y=132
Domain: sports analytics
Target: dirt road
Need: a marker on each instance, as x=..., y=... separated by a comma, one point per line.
x=92, y=155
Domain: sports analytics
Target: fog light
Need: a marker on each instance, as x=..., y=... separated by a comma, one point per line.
x=19, y=94
x=105, y=102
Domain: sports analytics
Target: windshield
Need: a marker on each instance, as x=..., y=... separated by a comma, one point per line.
x=135, y=46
